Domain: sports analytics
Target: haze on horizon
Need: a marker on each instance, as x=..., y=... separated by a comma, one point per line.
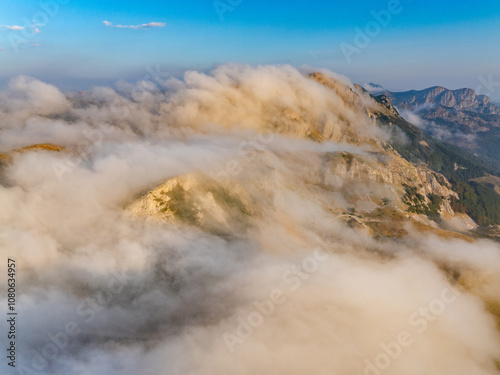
x=79, y=44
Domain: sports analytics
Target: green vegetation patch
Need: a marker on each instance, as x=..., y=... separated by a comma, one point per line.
x=417, y=203
x=478, y=201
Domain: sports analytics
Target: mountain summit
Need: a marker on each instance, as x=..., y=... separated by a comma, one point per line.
x=460, y=117
x=460, y=100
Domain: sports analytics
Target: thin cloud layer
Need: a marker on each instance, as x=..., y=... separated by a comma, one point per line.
x=14, y=27
x=34, y=27
x=144, y=26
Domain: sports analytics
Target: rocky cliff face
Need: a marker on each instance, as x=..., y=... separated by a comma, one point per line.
x=461, y=100
x=460, y=117
x=349, y=187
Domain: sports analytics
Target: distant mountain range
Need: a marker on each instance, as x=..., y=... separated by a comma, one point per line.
x=459, y=100
x=460, y=117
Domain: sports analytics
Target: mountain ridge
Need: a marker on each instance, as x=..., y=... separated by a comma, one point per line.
x=412, y=190
x=459, y=117
x=459, y=99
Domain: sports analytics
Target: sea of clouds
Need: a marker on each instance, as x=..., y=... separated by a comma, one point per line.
x=101, y=291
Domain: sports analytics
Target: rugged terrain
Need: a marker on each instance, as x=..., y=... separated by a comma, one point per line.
x=460, y=117
x=374, y=187
x=380, y=187
x=293, y=223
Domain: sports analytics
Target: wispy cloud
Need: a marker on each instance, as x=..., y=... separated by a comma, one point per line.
x=14, y=27
x=137, y=27
x=34, y=27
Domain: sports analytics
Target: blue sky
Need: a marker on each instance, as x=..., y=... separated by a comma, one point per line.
x=425, y=43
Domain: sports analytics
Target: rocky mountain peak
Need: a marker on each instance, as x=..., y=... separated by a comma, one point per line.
x=460, y=99
x=460, y=117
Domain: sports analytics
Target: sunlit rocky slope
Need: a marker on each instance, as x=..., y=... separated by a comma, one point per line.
x=368, y=184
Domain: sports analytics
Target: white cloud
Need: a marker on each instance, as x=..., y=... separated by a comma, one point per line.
x=34, y=27
x=137, y=27
x=26, y=96
x=414, y=119
x=373, y=88
x=14, y=28
x=437, y=131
